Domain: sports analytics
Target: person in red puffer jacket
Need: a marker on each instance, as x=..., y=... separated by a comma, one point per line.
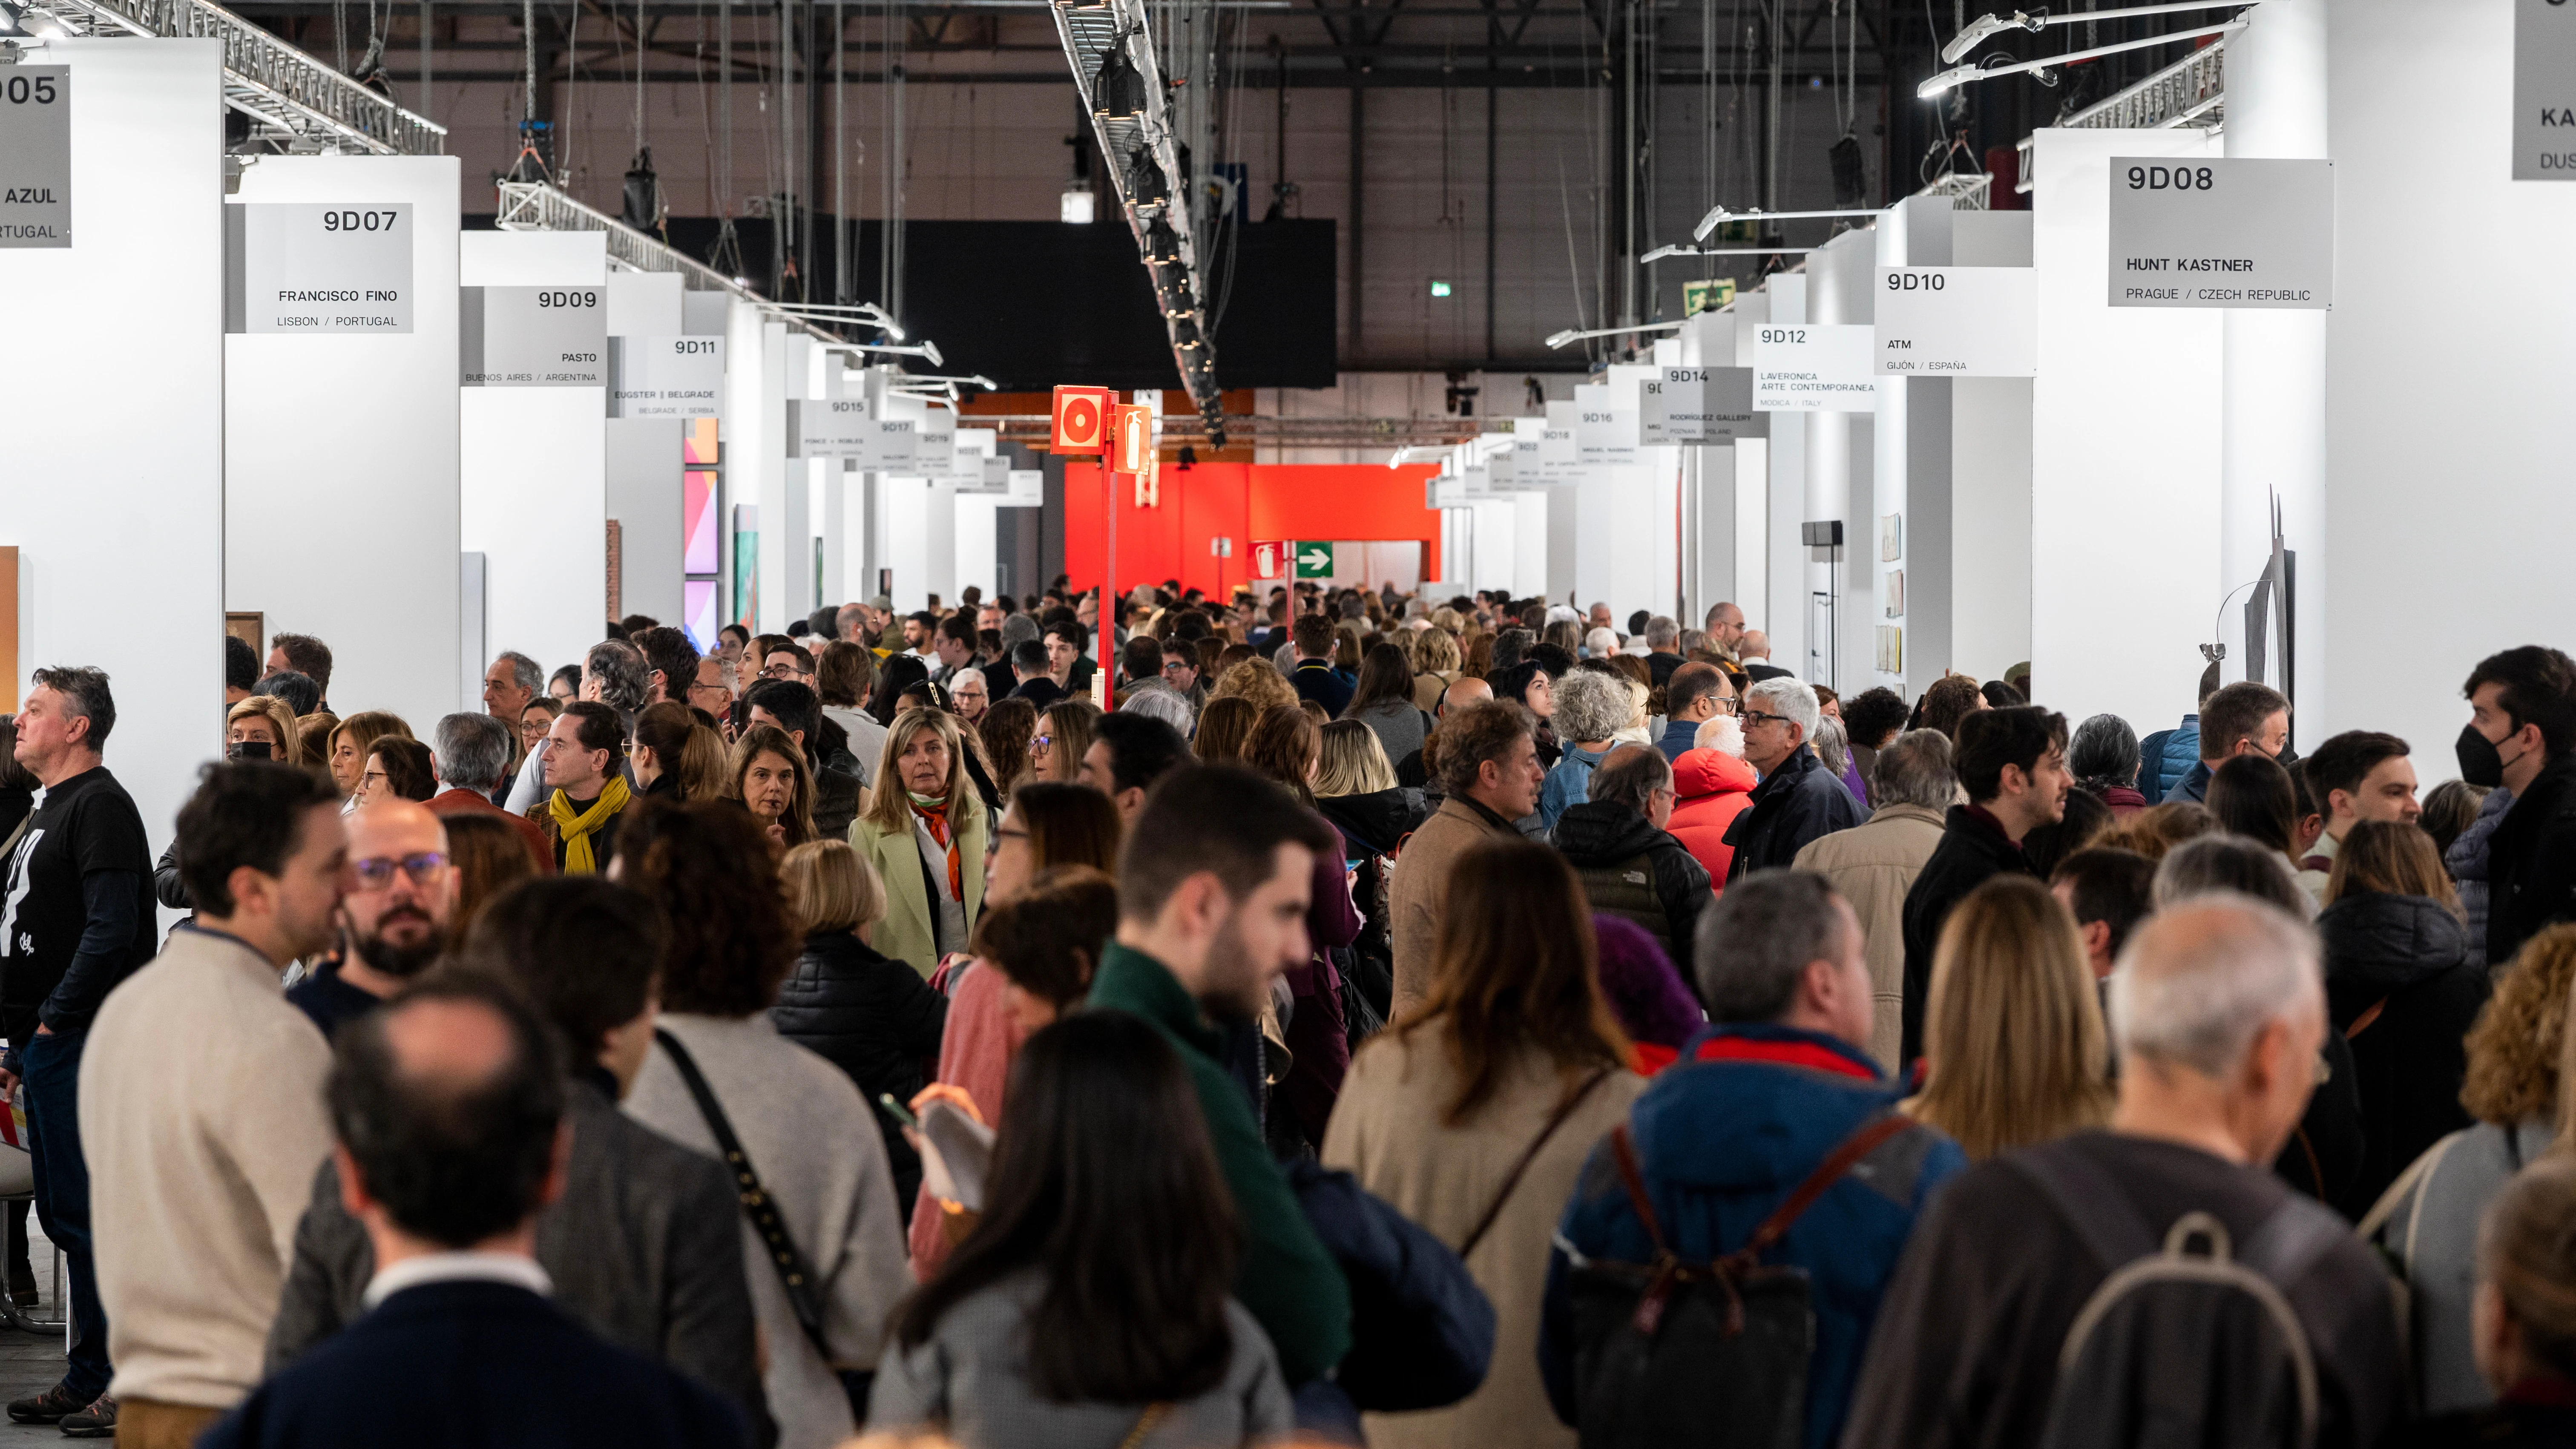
x=1714, y=785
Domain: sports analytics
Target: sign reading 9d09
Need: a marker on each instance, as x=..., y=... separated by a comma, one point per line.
x=35, y=156
x=532, y=336
x=2222, y=233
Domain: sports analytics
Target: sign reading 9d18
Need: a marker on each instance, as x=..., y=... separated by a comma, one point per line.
x=2187, y=232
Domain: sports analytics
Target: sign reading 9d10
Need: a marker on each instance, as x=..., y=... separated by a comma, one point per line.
x=2221, y=233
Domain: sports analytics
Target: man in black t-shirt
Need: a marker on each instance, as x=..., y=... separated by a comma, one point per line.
x=75, y=919
x=2218, y=1006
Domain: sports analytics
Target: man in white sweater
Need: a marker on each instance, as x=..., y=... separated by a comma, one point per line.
x=201, y=1103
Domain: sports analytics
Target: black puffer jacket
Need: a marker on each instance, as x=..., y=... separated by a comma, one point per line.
x=2401, y=986
x=1632, y=870
x=1377, y=821
x=1793, y=805
x=872, y=1017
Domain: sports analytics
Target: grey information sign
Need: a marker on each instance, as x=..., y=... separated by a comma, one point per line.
x=665, y=377
x=317, y=267
x=35, y=156
x=2544, y=90
x=532, y=336
x=2220, y=233
x=1700, y=405
x=839, y=427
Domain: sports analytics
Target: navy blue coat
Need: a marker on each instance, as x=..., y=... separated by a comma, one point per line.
x=476, y=1365
x=1721, y=1142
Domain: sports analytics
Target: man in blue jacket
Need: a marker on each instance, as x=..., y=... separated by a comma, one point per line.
x=1761, y=1097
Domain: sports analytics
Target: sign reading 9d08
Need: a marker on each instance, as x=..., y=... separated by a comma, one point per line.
x=2222, y=233
x=35, y=156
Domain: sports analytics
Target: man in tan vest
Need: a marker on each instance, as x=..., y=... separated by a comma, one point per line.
x=1489, y=765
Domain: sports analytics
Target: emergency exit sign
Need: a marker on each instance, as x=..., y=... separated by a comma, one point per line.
x=1314, y=560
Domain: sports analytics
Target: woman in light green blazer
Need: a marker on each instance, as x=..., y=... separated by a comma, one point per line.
x=925, y=829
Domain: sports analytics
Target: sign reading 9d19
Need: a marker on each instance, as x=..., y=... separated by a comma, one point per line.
x=35, y=156
x=2187, y=232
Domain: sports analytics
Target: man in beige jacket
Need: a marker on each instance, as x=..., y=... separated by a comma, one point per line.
x=201, y=1096
x=1873, y=865
x=1489, y=766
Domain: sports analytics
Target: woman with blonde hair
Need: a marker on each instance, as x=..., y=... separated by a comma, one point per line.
x=2013, y=1041
x=924, y=830
x=1225, y=727
x=1475, y=1111
x=866, y=1013
x=1257, y=680
x=262, y=719
x=767, y=773
x=1435, y=664
x=350, y=739
x=2516, y=1087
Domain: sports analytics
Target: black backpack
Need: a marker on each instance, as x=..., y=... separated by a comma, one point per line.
x=2190, y=1340
x=1670, y=1352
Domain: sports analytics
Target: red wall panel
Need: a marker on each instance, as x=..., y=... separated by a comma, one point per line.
x=1246, y=502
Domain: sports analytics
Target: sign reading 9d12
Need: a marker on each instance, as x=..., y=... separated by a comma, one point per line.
x=2222, y=233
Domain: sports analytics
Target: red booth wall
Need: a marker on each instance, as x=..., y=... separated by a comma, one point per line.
x=1249, y=503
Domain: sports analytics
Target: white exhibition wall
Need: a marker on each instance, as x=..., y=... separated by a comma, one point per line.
x=1782, y=610
x=1990, y=420
x=2124, y=455
x=643, y=459
x=2445, y=408
x=533, y=468
x=340, y=460
x=114, y=472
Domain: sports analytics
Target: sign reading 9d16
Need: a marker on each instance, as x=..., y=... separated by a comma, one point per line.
x=2222, y=233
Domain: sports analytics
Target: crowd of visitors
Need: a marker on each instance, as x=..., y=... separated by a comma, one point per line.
x=1324, y=1014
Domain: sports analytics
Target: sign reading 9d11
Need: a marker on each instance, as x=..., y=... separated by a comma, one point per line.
x=2222, y=233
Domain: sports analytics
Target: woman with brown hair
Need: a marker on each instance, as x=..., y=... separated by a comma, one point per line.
x=1004, y=732
x=1511, y=1060
x=1225, y=727
x=347, y=752
x=490, y=856
x=674, y=755
x=2251, y=795
x=2403, y=989
x=2516, y=1088
x=396, y=768
x=805, y=1133
x=1384, y=702
x=2013, y=1040
x=1063, y=737
x=767, y=774
x=1286, y=745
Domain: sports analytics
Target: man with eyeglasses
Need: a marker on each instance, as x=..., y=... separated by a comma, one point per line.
x=401, y=895
x=1181, y=670
x=789, y=661
x=712, y=691
x=1694, y=695
x=1798, y=799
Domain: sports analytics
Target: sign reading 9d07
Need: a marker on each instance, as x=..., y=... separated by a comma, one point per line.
x=2222, y=233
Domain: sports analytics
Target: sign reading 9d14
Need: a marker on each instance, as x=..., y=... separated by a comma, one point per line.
x=2219, y=233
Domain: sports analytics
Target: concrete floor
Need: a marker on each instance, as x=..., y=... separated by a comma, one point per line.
x=32, y=1363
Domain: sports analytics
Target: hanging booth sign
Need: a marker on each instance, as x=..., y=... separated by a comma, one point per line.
x=836, y=427
x=665, y=377
x=2544, y=91
x=316, y=267
x=1023, y=488
x=934, y=438
x=1812, y=367
x=1958, y=322
x=532, y=336
x=887, y=445
x=1699, y=405
x=1081, y=420
x=36, y=157
x=1605, y=423
x=2222, y=233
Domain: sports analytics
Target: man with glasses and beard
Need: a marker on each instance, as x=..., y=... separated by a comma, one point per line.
x=394, y=918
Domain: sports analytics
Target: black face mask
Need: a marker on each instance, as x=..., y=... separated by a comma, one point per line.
x=2481, y=764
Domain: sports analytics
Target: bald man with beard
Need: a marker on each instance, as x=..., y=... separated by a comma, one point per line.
x=393, y=921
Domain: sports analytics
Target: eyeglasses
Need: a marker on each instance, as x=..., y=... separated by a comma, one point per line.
x=1729, y=705
x=1175, y=666
x=1754, y=717
x=1038, y=743
x=780, y=671
x=377, y=872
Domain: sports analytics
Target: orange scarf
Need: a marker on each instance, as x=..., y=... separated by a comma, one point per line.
x=936, y=818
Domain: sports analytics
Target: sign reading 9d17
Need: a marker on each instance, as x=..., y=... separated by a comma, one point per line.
x=2189, y=232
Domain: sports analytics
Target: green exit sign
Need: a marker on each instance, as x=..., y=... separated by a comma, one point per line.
x=1440, y=289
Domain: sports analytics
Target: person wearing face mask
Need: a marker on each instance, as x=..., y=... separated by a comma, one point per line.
x=2522, y=706
x=394, y=918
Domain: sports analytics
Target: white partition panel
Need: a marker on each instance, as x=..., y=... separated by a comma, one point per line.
x=340, y=511
x=1782, y=612
x=2446, y=408
x=1529, y=545
x=113, y=494
x=2124, y=456
x=644, y=459
x=978, y=546
x=533, y=467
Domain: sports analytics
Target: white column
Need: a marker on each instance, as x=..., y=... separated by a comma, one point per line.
x=2275, y=438
x=644, y=459
x=1782, y=613
x=355, y=566
x=111, y=482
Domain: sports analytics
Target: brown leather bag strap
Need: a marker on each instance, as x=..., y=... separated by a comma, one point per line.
x=1623, y=1151
x=1512, y=1179
x=1860, y=1144
x=2362, y=1022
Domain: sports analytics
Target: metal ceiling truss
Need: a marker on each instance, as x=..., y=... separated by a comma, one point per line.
x=304, y=104
x=1140, y=149
x=2190, y=92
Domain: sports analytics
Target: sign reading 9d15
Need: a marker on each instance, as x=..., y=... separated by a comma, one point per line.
x=2219, y=233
